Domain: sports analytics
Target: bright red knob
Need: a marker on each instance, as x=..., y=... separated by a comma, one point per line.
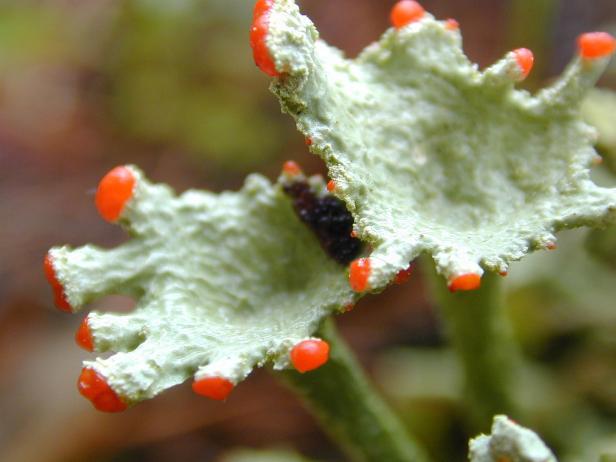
x=594, y=45
x=262, y=7
x=83, y=337
x=452, y=24
x=404, y=275
x=94, y=387
x=359, y=272
x=331, y=185
x=309, y=355
x=406, y=12
x=60, y=299
x=525, y=59
x=216, y=388
x=114, y=191
x=291, y=168
x=258, y=37
x=471, y=281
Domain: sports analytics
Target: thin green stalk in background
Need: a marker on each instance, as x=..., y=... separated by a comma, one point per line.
x=482, y=338
x=531, y=25
x=350, y=410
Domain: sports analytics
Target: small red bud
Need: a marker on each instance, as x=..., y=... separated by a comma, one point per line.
x=262, y=7
x=291, y=168
x=406, y=12
x=465, y=282
x=404, y=275
x=594, y=45
x=359, y=272
x=216, y=388
x=114, y=191
x=452, y=24
x=309, y=355
x=258, y=38
x=94, y=387
x=331, y=186
x=525, y=59
x=60, y=299
x=83, y=337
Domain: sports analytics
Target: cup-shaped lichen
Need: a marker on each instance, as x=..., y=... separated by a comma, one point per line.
x=224, y=282
x=432, y=154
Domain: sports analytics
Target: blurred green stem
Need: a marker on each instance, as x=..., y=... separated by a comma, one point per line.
x=531, y=25
x=482, y=338
x=349, y=408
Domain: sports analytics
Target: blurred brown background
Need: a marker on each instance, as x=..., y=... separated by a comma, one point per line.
x=170, y=85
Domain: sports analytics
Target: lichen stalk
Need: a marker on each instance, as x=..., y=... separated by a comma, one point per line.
x=349, y=408
x=483, y=340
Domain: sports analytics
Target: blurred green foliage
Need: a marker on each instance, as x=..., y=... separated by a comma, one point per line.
x=177, y=74
x=181, y=73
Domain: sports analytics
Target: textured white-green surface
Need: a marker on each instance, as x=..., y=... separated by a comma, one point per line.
x=225, y=282
x=509, y=442
x=433, y=155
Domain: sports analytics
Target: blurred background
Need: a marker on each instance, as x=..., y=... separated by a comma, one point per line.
x=170, y=85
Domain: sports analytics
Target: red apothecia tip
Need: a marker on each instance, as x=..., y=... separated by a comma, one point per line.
x=525, y=59
x=258, y=38
x=60, y=299
x=216, y=388
x=406, y=12
x=83, y=336
x=291, y=168
x=114, y=191
x=348, y=307
x=359, y=272
x=331, y=185
x=504, y=273
x=308, y=141
x=354, y=234
x=594, y=45
x=262, y=7
x=452, y=24
x=551, y=246
x=471, y=281
x=404, y=275
x=309, y=355
x=94, y=387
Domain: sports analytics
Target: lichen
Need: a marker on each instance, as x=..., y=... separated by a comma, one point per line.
x=509, y=442
x=224, y=282
x=433, y=155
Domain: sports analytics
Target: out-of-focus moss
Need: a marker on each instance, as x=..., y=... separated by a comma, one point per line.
x=183, y=75
x=263, y=455
x=599, y=110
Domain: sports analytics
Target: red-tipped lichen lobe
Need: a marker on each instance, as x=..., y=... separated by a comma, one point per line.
x=359, y=273
x=94, y=387
x=114, y=191
x=60, y=299
x=309, y=355
x=258, y=38
x=216, y=388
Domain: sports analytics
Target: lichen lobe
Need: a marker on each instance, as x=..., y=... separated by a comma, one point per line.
x=431, y=154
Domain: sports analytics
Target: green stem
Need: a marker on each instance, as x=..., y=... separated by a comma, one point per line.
x=349, y=408
x=531, y=25
x=483, y=340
